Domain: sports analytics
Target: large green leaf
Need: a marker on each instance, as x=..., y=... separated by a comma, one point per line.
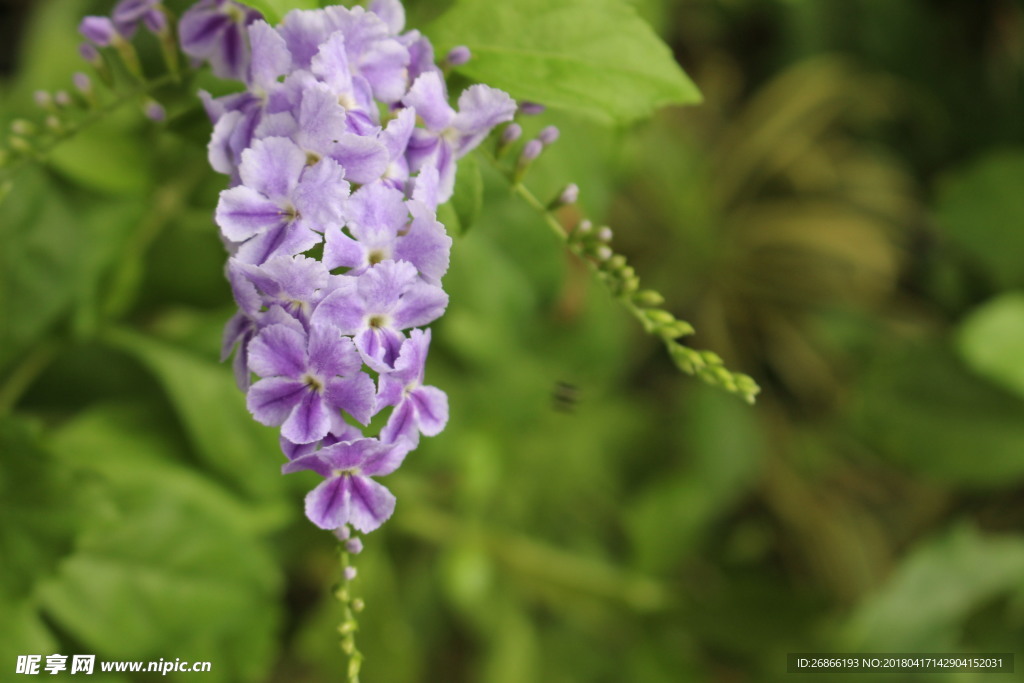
x=982, y=210
x=41, y=242
x=167, y=564
x=213, y=412
x=921, y=607
x=596, y=57
x=37, y=524
x=991, y=341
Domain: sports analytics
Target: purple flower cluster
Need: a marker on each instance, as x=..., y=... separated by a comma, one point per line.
x=339, y=150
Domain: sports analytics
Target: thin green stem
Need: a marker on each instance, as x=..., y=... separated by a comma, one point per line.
x=624, y=286
x=349, y=624
x=25, y=374
x=39, y=154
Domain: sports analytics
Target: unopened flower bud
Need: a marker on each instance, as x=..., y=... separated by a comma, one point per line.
x=679, y=328
x=100, y=30
x=350, y=573
x=548, y=135
x=617, y=262
x=42, y=99
x=603, y=253
x=605, y=234
x=156, y=21
x=19, y=144
x=354, y=546
x=62, y=98
x=53, y=123
x=154, y=111
x=531, y=150
x=22, y=127
x=82, y=82
x=531, y=108
x=511, y=133
x=458, y=56
x=567, y=196
x=648, y=298
x=660, y=317
x=585, y=226
x=89, y=53
x=570, y=195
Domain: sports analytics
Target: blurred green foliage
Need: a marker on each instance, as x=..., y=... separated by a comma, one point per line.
x=839, y=218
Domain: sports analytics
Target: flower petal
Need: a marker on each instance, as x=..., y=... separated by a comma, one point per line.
x=242, y=212
x=355, y=395
x=329, y=504
x=309, y=421
x=271, y=400
x=426, y=245
x=343, y=308
x=371, y=504
x=270, y=56
x=431, y=409
x=401, y=425
x=330, y=353
x=481, y=108
x=306, y=460
x=278, y=351
x=430, y=100
x=272, y=167
x=421, y=304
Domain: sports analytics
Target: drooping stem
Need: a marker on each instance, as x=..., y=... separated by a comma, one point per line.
x=624, y=284
x=39, y=153
x=351, y=607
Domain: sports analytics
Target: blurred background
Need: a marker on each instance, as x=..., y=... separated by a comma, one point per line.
x=842, y=218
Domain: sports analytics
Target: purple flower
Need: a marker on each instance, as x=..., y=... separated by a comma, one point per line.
x=341, y=431
x=128, y=13
x=306, y=378
x=353, y=93
x=375, y=306
x=377, y=218
x=419, y=409
x=100, y=30
x=214, y=31
x=391, y=12
x=348, y=495
x=450, y=135
x=283, y=202
x=295, y=284
x=372, y=52
x=319, y=126
x=328, y=106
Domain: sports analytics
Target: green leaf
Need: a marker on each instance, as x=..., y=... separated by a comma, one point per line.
x=468, y=199
x=596, y=57
x=212, y=409
x=982, y=209
x=41, y=241
x=165, y=558
x=919, y=407
x=921, y=607
x=273, y=10
x=991, y=341
x=108, y=156
x=37, y=526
